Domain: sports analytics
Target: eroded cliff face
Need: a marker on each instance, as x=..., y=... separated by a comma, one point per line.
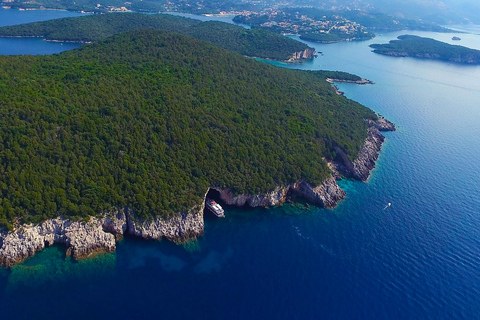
x=326, y=195
x=302, y=55
x=83, y=239
x=365, y=162
x=269, y=199
x=100, y=234
x=179, y=228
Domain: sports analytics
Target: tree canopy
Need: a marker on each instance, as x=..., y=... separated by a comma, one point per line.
x=151, y=119
x=249, y=42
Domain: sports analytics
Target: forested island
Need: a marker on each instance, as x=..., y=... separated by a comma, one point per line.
x=250, y=42
x=426, y=48
x=130, y=132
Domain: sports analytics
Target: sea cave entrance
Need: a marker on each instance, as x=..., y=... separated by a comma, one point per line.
x=214, y=195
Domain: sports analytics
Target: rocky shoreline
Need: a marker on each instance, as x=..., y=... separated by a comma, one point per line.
x=308, y=53
x=361, y=168
x=340, y=93
x=100, y=234
x=470, y=59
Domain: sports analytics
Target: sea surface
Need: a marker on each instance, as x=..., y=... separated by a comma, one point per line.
x=417, y=259
x=33, y=46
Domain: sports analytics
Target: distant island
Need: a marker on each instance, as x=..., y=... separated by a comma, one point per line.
x=129, y=134
x=249, y=42
x=456, y=38
x=426, y=48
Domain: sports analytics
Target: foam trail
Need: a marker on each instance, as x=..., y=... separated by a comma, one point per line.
x=321, y=246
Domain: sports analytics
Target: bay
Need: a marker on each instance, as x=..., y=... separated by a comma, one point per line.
x=417, y=259
x=32, y=46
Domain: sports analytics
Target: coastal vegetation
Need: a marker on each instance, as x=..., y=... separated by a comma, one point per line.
x=249, y=42
x=426, y=48
x=149, y=120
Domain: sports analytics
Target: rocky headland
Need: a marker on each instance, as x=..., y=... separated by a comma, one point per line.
x=100, y=234
x=360, y=169
x=337, y=90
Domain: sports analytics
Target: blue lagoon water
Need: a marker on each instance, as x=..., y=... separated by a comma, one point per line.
x=418, y=259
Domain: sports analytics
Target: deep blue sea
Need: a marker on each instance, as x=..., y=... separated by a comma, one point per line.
x=418, y=259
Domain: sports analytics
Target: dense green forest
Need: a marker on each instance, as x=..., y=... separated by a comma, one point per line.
x=254, y=42
x=151, y=119
x=426, y=48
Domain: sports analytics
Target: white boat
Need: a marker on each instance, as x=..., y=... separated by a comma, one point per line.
x=215, y=208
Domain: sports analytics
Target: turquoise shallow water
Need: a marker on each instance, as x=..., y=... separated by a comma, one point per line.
x=417, y=259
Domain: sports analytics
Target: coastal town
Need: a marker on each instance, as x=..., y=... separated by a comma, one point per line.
x=321, y=27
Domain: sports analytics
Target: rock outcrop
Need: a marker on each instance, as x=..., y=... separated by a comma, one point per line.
x=84, y=239
x=365, y=161
x=327, y=195
x=362, y=166
x=179, y=228
x=360, y=81
x=270, y=199
x=382, y=124
x=308, y=53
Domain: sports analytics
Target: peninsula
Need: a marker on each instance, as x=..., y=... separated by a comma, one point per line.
x=129, y=134
x=426, y=48
x=249, y=42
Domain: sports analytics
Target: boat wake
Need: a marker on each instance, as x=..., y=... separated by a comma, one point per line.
x=321, y=246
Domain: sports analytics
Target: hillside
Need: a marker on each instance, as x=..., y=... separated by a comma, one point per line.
x=151, y=119
x=426, y=48
x=256, y=43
